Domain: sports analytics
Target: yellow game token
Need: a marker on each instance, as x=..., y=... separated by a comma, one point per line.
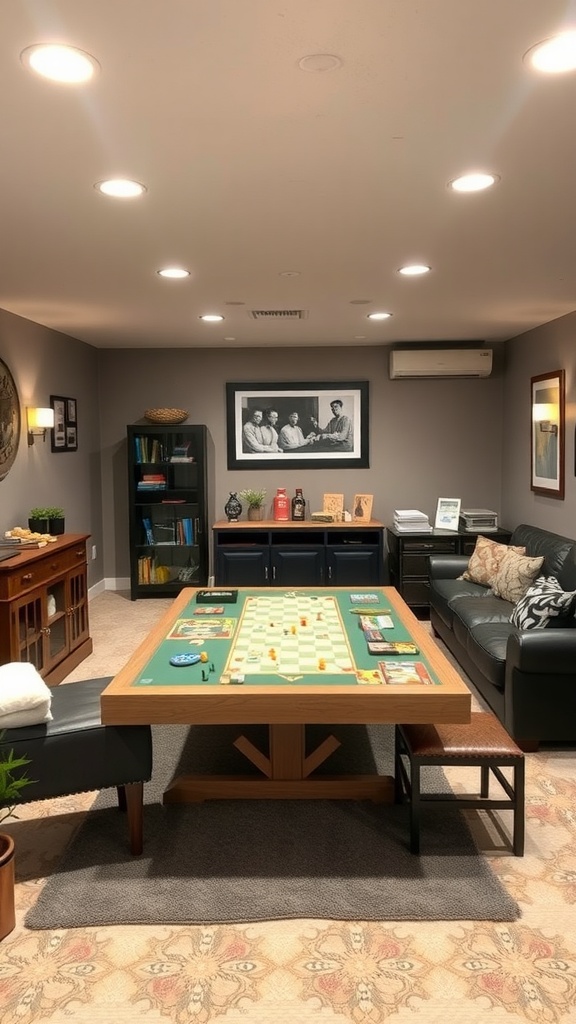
x=203, y=656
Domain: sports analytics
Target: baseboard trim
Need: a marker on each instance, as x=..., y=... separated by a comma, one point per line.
x=110, y=583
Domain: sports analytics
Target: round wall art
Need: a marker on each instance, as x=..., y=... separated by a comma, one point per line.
x=9, y=420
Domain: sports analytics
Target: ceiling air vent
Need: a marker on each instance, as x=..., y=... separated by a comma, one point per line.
x=278, y=314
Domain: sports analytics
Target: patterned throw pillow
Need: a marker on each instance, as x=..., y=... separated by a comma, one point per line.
x=485, y=560
x=515, y=574
x=541, y=603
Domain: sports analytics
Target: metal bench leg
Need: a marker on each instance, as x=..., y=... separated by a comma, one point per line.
x=414, y=805
x=518, y=835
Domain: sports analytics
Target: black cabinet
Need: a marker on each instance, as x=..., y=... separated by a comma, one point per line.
x=305, y=554
x=408, y=555
x=168, y=489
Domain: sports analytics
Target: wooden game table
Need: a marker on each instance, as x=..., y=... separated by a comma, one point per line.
x=232, y=686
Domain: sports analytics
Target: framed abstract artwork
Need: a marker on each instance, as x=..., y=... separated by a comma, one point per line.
x=547, y=434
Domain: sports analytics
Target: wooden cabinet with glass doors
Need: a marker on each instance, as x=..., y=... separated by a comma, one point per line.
x=44, y=607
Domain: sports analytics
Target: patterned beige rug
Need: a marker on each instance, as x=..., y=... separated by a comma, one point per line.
x=303, y=971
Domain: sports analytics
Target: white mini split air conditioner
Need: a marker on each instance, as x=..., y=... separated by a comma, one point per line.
x=436, y=362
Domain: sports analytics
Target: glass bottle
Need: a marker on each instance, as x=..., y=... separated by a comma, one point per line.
x=298, y=506
x=281, y=505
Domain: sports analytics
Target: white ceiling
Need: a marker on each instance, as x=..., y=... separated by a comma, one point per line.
x=255, y=167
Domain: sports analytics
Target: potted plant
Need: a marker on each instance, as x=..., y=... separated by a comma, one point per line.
x=46, y=520
x=55, y=521
x=255, y=501
x=10, y=787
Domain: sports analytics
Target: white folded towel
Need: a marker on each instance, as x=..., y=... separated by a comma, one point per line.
x=24, y=697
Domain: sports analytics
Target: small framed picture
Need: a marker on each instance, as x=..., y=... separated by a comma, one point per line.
x=447, y=514
x=64, y=433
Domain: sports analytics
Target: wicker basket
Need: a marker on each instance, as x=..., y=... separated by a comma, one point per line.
x=166, y=415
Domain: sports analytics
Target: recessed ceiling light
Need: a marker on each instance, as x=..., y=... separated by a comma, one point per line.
x=229, y=339
x=289, y=273
x=378, y=316
x=173, y=272
x=414, y=269
x=554, y=56
x=211, y=317
x=473, y=182
x=360, y=302
x=120, y=188
x=60, y=63
x=320, y=62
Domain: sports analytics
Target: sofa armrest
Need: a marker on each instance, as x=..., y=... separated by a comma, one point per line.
x=447, y=567
x=549, y=651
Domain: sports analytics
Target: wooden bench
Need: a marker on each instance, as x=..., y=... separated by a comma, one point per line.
x=482, y=742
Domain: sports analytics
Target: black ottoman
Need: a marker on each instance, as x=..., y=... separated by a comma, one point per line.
x=75, y=753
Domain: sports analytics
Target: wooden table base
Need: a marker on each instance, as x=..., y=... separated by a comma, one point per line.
x=286, y=775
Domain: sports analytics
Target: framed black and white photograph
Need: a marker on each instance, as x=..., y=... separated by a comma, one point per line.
x=303, y=425
x=547, y=434
x=64, y=434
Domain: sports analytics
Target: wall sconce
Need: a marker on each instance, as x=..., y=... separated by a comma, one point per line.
x=39, y=421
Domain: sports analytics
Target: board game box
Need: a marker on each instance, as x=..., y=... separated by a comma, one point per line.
x=405, y=673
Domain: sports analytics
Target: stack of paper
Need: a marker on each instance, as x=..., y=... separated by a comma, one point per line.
x=411, y=520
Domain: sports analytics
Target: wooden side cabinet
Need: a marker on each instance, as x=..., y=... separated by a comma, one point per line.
x=408, y=555
x=44, y=607
x=304, y=554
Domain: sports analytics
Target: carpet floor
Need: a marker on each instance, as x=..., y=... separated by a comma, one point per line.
x=250, y=860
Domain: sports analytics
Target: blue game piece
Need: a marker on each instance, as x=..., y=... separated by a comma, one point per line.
x=184, y=659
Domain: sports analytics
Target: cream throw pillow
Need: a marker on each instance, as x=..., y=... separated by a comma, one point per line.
x=515, y=575
x=485, y=560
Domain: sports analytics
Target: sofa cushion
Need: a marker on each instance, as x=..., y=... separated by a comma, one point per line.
x=486, y=646
x=485, y=560
x=443, y=592
x=471, y=612
x=552, y=546
x=542, y=603
x=515, y=575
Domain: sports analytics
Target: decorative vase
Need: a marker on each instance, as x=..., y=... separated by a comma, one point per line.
x=7, y=911
x=255, y=513
x=233, y=508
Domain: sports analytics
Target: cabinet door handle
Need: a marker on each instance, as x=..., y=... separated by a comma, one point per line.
x=26, y=578
x=265, y=572
x=273, y=572
x=329, y=572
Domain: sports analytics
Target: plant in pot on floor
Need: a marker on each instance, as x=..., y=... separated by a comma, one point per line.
x=11, y=785
x=255, y=501
x=46, y=520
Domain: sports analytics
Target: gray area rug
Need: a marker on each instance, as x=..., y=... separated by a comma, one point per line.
x=261, y=860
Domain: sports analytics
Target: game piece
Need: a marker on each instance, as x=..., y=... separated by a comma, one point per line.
x=179, y=660
x=203, y=656
x=321, y=664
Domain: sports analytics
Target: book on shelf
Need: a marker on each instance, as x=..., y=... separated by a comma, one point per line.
x=146, y=523
x=405, y=673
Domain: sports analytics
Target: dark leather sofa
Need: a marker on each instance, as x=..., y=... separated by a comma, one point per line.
x=527, y=677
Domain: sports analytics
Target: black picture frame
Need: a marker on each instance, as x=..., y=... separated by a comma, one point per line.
x=324, y=447
x=64, y=433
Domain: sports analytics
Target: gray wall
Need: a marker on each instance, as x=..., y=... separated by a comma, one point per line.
x=427, y=438
x=543, y=350
x=44, y=363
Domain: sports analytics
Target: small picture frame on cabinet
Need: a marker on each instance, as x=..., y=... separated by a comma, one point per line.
x=447, y=514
